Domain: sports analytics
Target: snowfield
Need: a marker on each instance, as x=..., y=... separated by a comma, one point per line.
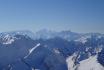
x=88, y=64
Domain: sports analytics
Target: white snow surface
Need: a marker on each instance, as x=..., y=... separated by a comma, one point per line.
x=56, y=51
x=90, y=64
x=32, y=49
x=82, y=39
x=34, y=69
x=70, y=62
x=8, y=39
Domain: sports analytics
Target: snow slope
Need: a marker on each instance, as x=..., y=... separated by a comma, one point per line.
x=71, y=62
x=90, y=64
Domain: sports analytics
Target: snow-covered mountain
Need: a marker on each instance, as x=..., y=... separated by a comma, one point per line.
x=90, y=64
x=67, y=35
x=50, y=50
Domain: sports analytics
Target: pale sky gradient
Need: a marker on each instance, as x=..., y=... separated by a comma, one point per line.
x=75, y=15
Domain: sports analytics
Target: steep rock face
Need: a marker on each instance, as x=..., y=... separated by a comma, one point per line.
x=76, y=52
x=45, y=59
x=101, y=57
x=10, y=53
x=25, y=53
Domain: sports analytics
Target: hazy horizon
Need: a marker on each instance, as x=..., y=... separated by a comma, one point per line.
x=82, y=16
x=48, y=30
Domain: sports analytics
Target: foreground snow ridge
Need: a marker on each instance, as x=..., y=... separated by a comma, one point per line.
x=90, y=64
x=70, y=62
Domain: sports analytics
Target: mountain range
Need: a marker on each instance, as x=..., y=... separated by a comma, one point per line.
x=51, y=50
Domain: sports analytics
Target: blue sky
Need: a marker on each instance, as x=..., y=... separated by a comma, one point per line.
x=75, y=15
